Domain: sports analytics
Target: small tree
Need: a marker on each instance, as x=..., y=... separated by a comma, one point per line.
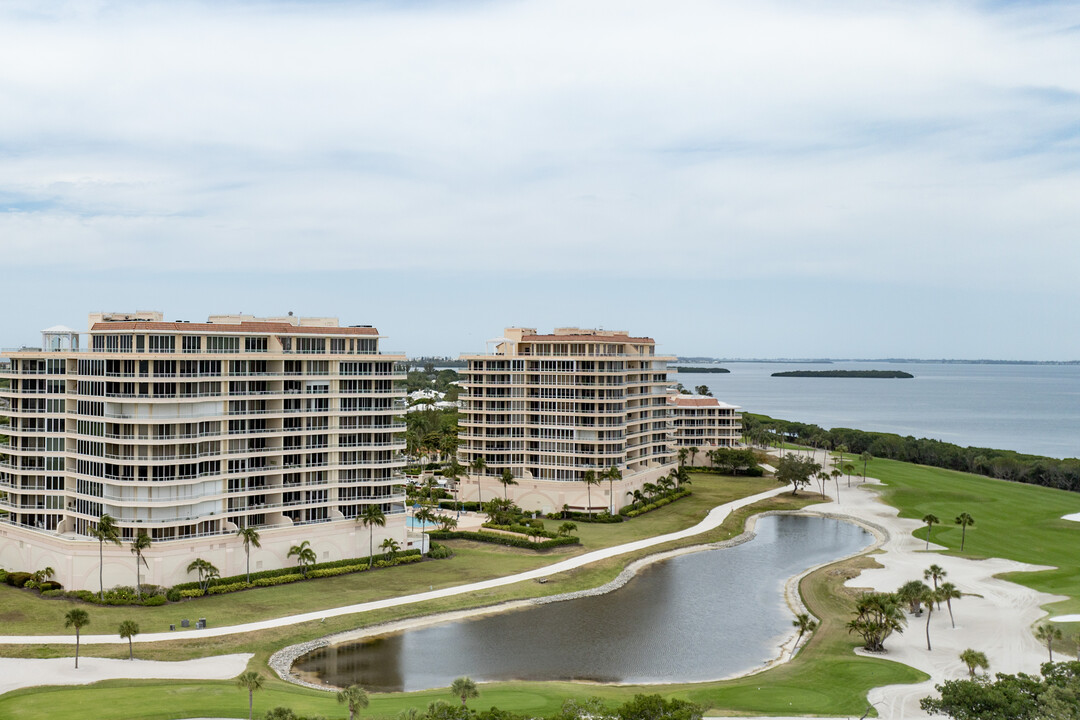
x=948, y=593
x=250, y=537
x=304, y=556
x=128, y=630
x=205, y=570
x=78, y=619
x=355, y=698
x=390, y=548
x=931, y=520
x=104, y=531
x=1048, y=634
x=974, y=659
x=865, y=457
x=934, y=573
x=507, y=479
x=371, y=516
x=795, y=470
x=566, y=528
x=478, y=465
x=140, y=545
x=612, y=474
x=849, y=470
x=805, y=624
x=465, y=689
x=250, y=681
x=964, y=520
x=590, y=479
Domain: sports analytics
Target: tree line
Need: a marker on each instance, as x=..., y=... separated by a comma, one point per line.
x=1000, y=464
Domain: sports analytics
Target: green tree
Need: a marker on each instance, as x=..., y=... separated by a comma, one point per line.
x=390, y=548
x=1048, y=633
x=795, y=470
x=304, y=555
x=931, y=520
x=566, y=528
x=250, y=681
x=949, y=592
x=464, y=688
x=964, y=520
x=805, y=624
x=205, y=570
x=683, y=454
x=655, y=707
x=139, y=546
x=693, y=454
x=590, y=479
x=911, y=594
x=507, y=479
x=355, y=698
x=478, y=465
x=866, y=457
x=128, y=630
x=974, y=659
x=613, y=473
x=849, y=470
x=877, y=616
x=930, y=597
x=703, y=390
x=104, y=531
x=250, y=537
x=934, y=573
x=78, y=619
x=370, y=516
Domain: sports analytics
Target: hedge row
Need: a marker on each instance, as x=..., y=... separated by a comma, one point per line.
x=498, y=539
x=287, y=571
x=528, y=530
x=603, y=517
x=632, y=511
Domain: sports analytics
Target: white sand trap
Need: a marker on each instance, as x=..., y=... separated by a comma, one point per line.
x=1075, y=517
x=18, y=673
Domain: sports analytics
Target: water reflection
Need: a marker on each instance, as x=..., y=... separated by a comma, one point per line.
x=691, y=618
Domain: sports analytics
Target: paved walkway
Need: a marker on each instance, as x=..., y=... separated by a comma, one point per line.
x=711, y=521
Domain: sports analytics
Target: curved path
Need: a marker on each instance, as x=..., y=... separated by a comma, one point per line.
x=711, y=521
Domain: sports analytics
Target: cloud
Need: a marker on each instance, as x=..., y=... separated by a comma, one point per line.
x=918, y=143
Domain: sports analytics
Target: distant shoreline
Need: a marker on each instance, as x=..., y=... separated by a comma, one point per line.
x=873, y=374
x=829, y=361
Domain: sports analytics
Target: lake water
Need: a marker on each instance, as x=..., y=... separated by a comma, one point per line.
x=695, y=617
x=1028, y=408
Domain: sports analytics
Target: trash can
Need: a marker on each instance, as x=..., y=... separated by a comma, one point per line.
x=185, y=623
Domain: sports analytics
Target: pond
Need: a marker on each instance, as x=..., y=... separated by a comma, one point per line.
x=691, y=618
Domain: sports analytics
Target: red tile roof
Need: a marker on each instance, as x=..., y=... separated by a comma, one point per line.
x=588, y=338
x=695, y=401
x=243, y=327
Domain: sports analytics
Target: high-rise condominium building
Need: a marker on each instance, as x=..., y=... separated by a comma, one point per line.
x=550, y=408
x=188, y=431
x=705, y=423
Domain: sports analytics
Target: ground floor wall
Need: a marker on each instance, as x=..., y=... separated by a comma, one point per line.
x=76, y=563
x=551, y=495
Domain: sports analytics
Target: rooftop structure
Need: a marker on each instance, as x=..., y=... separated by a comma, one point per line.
x=704, y=422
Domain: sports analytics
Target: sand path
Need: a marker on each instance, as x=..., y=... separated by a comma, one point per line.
x=19, y=673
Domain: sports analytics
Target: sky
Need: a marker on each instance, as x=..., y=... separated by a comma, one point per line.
x=810, y=178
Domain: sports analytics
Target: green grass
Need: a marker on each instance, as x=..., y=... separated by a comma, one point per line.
x=825, y=678
x=25, y=613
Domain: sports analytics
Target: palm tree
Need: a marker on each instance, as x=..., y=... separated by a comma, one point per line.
x=935, y=573
x=371, y=516
x=974, y=659
x=950, y=592
x=78, y=619
x=128, y=630
x=507, y=479
x=929, y=598
x=566, y=528
x=304, y=556
x=1048, y=634
x=355, y=697
x=911, y=593
x=693, y=454
x=963, y=520
x=464, y=688
x=931, y=520
x=683, y=453
x=590, y=479
x=613, y=473
x=848, y=470
x=250, y=681
x=805, y=624
x=250, y=536
x=140, y=545
x=206, y=571
x=390, y=548
x=105, y=531
x=478, y=465
x=638, y=497
x=865, y=457
x=836, y=481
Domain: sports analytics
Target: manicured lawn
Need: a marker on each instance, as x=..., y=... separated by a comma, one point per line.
x=24, y=613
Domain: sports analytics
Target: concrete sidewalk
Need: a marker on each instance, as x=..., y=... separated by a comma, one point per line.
x=713, y=520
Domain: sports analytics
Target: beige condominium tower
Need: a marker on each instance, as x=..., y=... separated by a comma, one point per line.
x=550, y=408
x=188, y=431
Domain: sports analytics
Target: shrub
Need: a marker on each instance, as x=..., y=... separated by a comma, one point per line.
x=52, y=593
x=17, y=579
x=222, y=589
x=439, y=552
x=509, y=540
x=173, y=595
x=193, y=593
x=277, y=580
x=154, y=601
x=287, y=571
x=49, y=585
x=3, y=576
x=331, y=572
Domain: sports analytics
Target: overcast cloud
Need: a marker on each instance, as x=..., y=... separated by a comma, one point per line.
x=709, y=173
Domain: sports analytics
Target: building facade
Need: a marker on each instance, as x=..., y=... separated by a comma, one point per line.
x=704, y=422
x=552, y=407
x=188, y=431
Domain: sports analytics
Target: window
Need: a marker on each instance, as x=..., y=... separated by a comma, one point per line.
x=311, y=345
x=162, y=343
x=255, y=344
x=218, y=344
x=191, y=343
x=337, y=346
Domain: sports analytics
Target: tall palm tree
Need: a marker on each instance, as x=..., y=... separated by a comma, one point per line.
x=865, y=457
x=974, y=659
x=507, y=479
x=929, y=598
x=140, y=545
x=805, y=624
x=250, y=536
x=613, y=473
x=693, y=454
x=836, y=482
x=78, y=619
x=304, y=555
x=250, y=681
x=963, y=520
x=1048, y=634
x=931, y=520
x=478, y=465
x=390, y=548
x=950, y=592
x=683, y=453
x=128, y=630
x=464, y=688
x=935, y=573
x=206, y=571
x=849, y=469
x=105, y=531
x=355, y=697
x=369, y=517
x=590, y=479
